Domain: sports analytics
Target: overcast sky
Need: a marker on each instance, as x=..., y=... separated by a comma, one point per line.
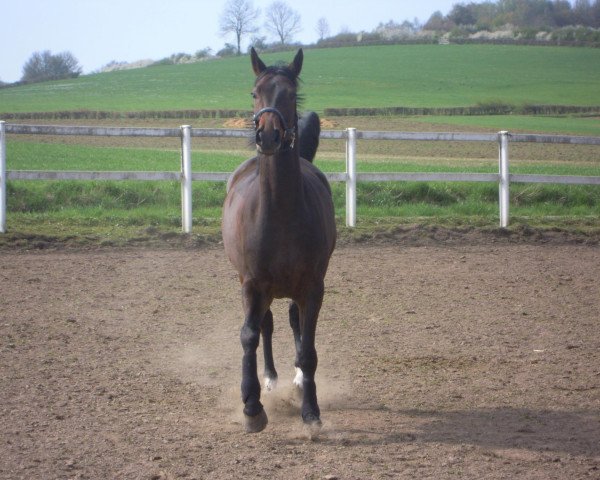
x=99, y=31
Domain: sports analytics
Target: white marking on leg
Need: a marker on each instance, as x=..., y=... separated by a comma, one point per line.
x=270, y=384
x=299, y=378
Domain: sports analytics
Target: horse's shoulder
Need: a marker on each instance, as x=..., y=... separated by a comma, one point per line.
x=242, y=171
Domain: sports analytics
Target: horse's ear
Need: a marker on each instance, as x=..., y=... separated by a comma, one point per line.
x=296, y=65
x=257, y=64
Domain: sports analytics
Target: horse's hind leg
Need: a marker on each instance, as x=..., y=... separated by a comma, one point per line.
x=294, y=314
x=267, y=336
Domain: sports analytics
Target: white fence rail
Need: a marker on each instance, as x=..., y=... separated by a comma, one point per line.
x=350, y=176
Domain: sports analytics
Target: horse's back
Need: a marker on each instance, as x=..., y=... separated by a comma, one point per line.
x=309, y=131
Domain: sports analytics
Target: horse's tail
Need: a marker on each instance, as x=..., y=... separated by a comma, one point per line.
x=309, y=129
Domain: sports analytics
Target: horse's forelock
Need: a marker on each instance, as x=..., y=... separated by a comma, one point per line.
x=282, y=70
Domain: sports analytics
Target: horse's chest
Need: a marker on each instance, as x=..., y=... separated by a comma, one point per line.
x=280, y=257
x=279, y=248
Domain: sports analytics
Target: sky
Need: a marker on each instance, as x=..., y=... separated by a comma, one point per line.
x=97, y=32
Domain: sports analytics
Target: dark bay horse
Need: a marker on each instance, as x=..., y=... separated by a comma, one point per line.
x=279, y=233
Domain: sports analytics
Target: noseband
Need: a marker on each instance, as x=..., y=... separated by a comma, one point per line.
x=289, y=132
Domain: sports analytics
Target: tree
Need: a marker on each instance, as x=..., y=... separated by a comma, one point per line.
x=258, y=43
x=228, y=50
x=437, y=22
x=282, y=21
x=582, y=12
x=322, y=28
x=204, y=53
x=562, y=14
x=462, y=14
x=595, y=12
x=239, y=18
x=44, y=66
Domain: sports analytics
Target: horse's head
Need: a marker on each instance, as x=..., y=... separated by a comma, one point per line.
x=274, y=94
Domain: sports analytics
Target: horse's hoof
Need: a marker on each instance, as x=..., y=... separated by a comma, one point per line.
x=312, y=426
x=312, y=419
x=257, y=423
x=270, y=384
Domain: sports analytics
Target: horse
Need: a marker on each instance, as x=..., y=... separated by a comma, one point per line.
x=279, y=233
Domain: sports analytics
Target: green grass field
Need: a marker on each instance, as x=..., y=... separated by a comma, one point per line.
x=566, y=125
x=378, y=76
x=424, y=75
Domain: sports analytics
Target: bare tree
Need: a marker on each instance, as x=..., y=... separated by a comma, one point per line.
x=282, y=21
x=239, y=18
x=322, y=28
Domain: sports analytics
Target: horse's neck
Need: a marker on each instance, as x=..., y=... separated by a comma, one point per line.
x=281, y=182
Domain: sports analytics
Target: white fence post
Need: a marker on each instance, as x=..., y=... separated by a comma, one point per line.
x=504, y=184
x=2, y=177
x=351, y=178
x=186, y=179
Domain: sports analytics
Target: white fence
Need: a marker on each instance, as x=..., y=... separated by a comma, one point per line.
x=503, y=178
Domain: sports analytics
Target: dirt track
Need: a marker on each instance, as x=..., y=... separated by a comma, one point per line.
x=437, y=361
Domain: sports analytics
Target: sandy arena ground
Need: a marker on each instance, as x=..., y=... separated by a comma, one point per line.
x=461, y=360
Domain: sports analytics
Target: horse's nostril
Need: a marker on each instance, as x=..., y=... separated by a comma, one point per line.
x=269, y=140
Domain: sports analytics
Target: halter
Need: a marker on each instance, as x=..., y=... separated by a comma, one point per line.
x=289, y=133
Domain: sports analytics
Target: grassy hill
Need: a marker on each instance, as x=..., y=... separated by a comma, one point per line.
x=378, y=76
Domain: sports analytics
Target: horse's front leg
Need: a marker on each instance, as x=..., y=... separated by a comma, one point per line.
x=255, y=307
x=307, y=359
x=267, y=336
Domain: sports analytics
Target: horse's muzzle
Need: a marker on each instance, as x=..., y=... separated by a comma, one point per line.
x=270, y=141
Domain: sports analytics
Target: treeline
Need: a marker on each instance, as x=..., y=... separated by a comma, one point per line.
x=524, y=14
x=530, y=22
x=554, y=22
